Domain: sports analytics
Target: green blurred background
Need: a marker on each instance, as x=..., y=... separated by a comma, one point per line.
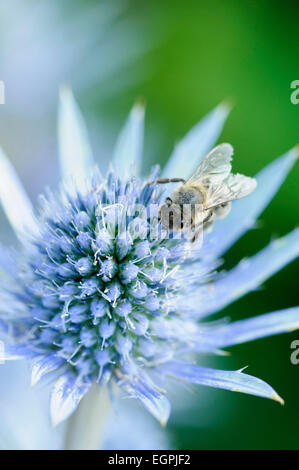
x=183, y=58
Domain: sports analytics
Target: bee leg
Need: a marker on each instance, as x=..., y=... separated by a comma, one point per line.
x=166, y=181
x=209, y=222
x=208, y=218
x=196, y=233
x=197, y=236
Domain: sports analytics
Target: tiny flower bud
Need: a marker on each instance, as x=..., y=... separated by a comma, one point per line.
x=84, y=266
x=123, y=309
x=127, y=272
x=81, y=220
x=138, y=290
x=108, y=269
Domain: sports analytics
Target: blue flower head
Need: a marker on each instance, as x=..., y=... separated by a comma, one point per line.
x=99, y=294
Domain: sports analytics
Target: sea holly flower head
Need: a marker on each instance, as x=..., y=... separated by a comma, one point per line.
x=100, y=293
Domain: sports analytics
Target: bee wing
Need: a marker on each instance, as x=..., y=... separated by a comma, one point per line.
x=234, y=187
x=215, y=167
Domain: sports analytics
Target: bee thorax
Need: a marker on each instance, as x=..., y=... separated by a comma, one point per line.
x=188, y=195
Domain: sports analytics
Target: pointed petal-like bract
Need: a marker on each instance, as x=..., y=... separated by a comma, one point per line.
x=261, y=326
x=128, y=150
x=15, y=201
x=153, y=400
x=245, y=211
x=249, y=274
x=235, y=381
x=44, y=365
x=75, y=152
x=65, y=397
x=196, y=144
x=6, y=355
x=14, y=352
x=7, y=262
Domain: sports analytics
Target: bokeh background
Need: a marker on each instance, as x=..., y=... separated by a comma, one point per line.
x=182, y=58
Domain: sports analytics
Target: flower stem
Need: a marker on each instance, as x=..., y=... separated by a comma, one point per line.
x=85, y=428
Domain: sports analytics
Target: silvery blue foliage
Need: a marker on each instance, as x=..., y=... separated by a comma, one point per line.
x=87, y=299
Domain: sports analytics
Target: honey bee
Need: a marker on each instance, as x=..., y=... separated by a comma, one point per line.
x=207, y=194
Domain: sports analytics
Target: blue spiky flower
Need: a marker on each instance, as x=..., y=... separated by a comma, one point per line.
x=91, y=296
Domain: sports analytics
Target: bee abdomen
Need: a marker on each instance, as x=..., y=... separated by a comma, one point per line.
x=223, y=210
